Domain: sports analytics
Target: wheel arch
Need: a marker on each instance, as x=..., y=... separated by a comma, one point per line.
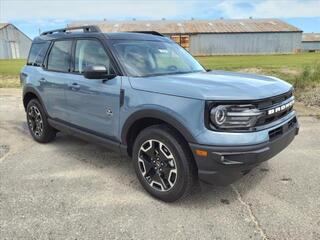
x=30, y=93
x=148, y=117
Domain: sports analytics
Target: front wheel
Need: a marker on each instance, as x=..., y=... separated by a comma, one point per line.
x=164, y=163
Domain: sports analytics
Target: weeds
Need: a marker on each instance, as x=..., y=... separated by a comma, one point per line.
x=309, y=77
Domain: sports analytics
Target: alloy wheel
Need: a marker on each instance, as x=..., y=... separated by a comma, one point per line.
x=35, y=121
x=157, y=165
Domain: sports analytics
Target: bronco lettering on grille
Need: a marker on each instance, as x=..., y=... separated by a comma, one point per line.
x=280, y=108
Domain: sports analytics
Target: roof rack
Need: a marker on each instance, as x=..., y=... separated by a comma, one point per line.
x=91, y=28
x=148, y=32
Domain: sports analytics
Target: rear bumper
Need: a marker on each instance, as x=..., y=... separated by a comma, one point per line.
x=224, y=165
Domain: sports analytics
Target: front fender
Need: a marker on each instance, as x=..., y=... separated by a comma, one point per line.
x=162, y=115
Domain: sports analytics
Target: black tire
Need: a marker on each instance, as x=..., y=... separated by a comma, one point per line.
x=38, y=124
x=182, y=168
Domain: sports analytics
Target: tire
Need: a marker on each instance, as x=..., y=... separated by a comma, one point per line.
x=38, y=124
x=166, y=169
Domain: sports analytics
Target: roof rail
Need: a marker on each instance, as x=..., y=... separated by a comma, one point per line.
x=90, y=28
x=148, y=32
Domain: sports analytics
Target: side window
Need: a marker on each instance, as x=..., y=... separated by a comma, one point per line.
x=90, y=53
x=37, y=53
x=59, y=57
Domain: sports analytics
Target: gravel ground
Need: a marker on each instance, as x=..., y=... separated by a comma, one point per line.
x=71, y=189
x=311, y=97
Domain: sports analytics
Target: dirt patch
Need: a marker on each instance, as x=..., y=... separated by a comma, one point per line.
x=303, y=110
x=289, y=71
x=310, y=97
x=282, y=71
x=251, y=70
x=9, y=81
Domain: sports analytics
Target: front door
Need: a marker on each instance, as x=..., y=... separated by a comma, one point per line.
x=93, y=104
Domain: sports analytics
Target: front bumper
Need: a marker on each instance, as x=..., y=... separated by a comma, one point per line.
x=224, y=165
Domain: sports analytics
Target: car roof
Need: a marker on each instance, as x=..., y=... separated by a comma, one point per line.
x=111, y=36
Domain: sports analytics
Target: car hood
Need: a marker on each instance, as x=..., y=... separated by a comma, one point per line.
x=213, y=85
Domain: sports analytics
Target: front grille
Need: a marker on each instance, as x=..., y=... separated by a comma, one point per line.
x=265, y=119
x=274, y=103
x=262, y=104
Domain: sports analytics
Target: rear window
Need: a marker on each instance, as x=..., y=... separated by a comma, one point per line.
x=37, y=53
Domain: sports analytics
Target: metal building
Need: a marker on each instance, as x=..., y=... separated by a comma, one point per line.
x=218, y=37
x=13, y=42
x=311, y=42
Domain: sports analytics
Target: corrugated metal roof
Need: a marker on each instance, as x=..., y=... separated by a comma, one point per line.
x=2, y=25
x=311, y=37
x=195, y=26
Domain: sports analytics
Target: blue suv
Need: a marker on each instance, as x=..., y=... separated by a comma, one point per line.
x=143, y=95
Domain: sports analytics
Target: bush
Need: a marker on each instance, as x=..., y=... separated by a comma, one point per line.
x=309, y=77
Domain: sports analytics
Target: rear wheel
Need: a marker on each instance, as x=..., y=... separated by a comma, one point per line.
x=38, y=124
x=164, y=163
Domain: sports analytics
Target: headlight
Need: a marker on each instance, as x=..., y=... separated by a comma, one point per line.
x=234, y=116
x=218, y=115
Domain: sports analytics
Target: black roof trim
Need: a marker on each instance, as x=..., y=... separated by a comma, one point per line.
x=91, y=28
x=148, y=32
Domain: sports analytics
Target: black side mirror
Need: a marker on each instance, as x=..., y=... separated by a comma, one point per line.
x=97, y=72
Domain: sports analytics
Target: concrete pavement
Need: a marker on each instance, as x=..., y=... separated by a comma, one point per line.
x=71, y=189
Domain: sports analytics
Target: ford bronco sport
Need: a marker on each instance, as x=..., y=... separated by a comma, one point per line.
x=143, y=95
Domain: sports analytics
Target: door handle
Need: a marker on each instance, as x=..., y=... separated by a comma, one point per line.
x=42, y=80
x=75, y=86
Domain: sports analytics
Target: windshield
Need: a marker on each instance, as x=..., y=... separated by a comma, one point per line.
x=150, y=58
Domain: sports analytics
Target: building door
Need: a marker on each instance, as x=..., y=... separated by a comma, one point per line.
x=15, y=53
x=182, y=40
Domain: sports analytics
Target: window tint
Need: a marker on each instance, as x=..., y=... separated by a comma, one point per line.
x=90, y=53
x=59, y=57
x=37, y=53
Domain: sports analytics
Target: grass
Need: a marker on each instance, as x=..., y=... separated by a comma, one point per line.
x=286, y=67
x=294, y=68
x=309, y=77
x=9, y=72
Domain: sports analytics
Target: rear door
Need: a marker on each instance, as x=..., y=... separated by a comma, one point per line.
x=55, y=78
x=32, y=74
x=93, y=104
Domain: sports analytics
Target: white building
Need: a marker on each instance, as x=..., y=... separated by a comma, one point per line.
x=13, y=42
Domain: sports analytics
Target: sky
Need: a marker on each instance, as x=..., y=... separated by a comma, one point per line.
x=34, y=16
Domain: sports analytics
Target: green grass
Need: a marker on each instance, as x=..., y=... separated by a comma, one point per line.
x=11, y=67
x=9, y=72
x=288, y=67
x=259, y=61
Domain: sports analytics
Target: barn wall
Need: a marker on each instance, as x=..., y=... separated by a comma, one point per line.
x=10, y=33
x=311, y=46
x=245, y=43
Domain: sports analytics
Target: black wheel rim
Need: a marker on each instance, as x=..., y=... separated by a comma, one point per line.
x=35, y=121
x=157, y=165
